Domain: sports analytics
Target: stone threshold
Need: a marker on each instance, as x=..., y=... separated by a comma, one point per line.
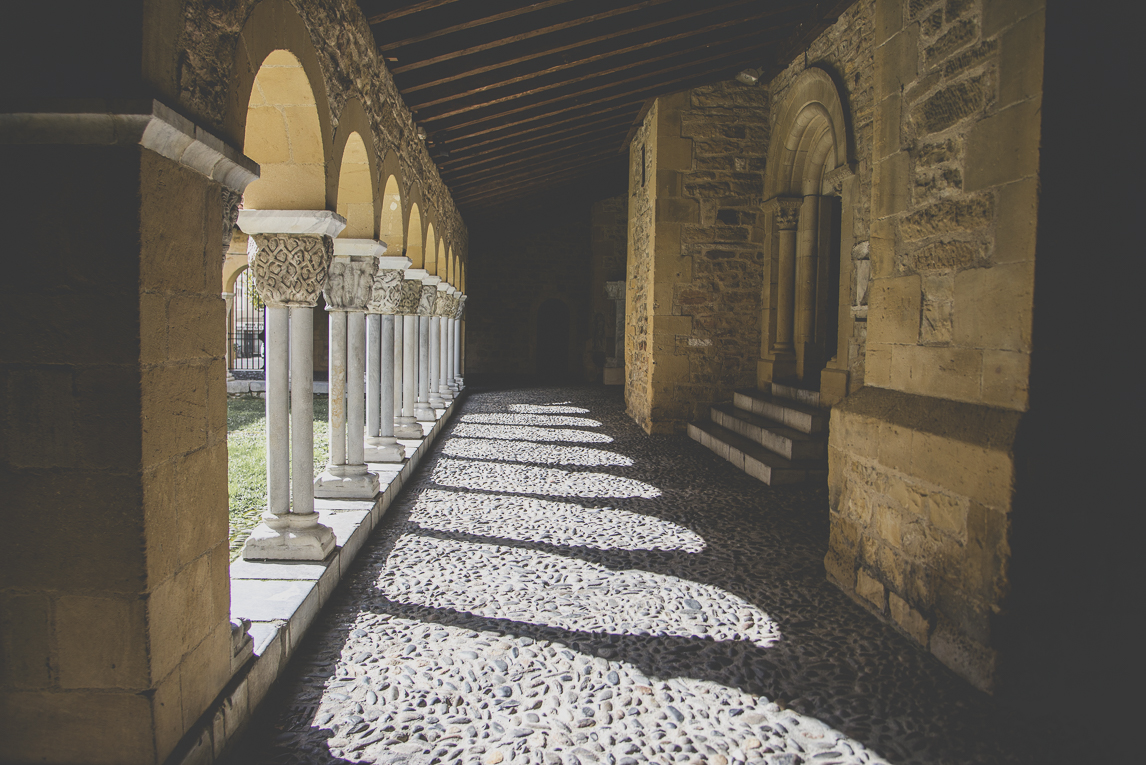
x=281, y=599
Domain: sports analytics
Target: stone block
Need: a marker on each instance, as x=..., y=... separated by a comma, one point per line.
x=167, y=711
x=204, y=672
x=908, y=619
x=25, y=640
x=945, y=256
x=193, y=327
x=95, y=727
x=174, y=411
x=968, y=59
x=942, y=372
x=201, y=499
x=888, y=19
x=841, y=568
x=891, y=187
x=101, y=642
x=870, y=589
x=1018, y=217
x=173, y=246
x=882, y=248
x=969, y=659
x=948, y=216
x=948, y=512
x=887, y=126
x=896, y=62
x=999, y=14
x=987, y=551
x=993, y=307
x=1003, y=147
x=153, y=326
x=107, y=404
x=877, y=371
x=907, y=496
x=1021, y=60
x=41, y=430
x=982, y=474
x=161, y=525
x=1006, y=379
x=953, y=104
x=957, y=36
x=894, y=310
x=676, y=210
x=183, y=611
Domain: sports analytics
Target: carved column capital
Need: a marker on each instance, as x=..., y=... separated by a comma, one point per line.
x=834, y=179
x=290, y=253
x=442, y=300
x=411, y=294
x=386, y=297
x=231, y=201
x=350, y=285
x=429, y=295
x=461, y=305
x=786, y=210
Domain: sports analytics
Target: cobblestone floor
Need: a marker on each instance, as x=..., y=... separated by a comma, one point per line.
x=557, y=587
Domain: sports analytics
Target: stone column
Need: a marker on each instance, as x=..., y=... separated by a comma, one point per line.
x=423, y=408
x=786, y=218
x=451, y=336
x=290, y=260
x=442, y=311
x=381, y=443
x=405, y=423
x=348, y=290
x=458, y=340
x=231, y=200
x=229, y=353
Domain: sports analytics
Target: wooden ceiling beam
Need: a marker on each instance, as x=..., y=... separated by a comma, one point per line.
x=397, y=13
x=611, y=127
x=450, y=55
x=471, y=71
x=620, y=67
x=500, y=196
x=511, y=176
x=589, y=143
x=544, y=125
x=467, y=25
x=578, y=93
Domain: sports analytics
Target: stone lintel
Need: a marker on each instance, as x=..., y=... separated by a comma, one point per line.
x=147, y=123
x=430, y=280
x=359, y=248
x=305, y=222
x=392, y=262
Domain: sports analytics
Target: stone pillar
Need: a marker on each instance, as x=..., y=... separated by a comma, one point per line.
x=442, y=311
x=614, y=373
x=290, y=260
x=424, y=407
x=786, y=216
x=381, y=443
x=229, y=354
x=406, y=423
x=231, y=201
x=461, y=308
x=451, y=338
x=348, y=290
x=804, y=308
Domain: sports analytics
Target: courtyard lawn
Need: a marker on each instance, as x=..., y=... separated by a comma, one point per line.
x=247, y=461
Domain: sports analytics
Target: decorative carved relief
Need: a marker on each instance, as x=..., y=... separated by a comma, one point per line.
x=835, y=178
x=426, y=301
x=441, y=304
x=387, y=294
x=290, y=269
x=411, y=294
x=231, y=201
x=350, y=284
x=461, y=306
x=787, y=213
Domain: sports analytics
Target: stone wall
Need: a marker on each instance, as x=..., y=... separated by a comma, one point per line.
x=694, y=252
x=921, y=461
x=607, y=231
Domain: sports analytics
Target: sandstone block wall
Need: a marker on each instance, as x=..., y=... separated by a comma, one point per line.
x=695, y=265
x=921, y=462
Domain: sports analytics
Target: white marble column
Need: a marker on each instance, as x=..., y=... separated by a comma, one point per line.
x=424, y=408
x=451, y=334
x=405, y=423
x=290, y=257
x=381, y=443
x=461, y=307
x=348, y=290
x=441, y=309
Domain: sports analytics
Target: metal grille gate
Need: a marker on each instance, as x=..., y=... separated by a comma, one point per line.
x=247, y=337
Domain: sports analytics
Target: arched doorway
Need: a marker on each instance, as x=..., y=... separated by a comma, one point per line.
x=807, y=187
x=553, y=341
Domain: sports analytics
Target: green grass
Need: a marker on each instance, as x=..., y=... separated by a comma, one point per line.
x=247, y=461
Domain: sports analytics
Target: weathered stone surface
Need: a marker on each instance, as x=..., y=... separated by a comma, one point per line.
x=953, y=104
x=947, y=217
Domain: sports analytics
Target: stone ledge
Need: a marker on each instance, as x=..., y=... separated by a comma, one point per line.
x=281, y=599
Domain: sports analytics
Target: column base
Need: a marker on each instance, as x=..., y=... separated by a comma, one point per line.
x=437, y=402
x=289, y=537
x=346, y=482
x=385, y=449
x=408, y=427
x=423, y=412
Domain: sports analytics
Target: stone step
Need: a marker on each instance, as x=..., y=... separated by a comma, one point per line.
x=793, y=391
x=804, y=418
x=752, y=458
x=787, y=442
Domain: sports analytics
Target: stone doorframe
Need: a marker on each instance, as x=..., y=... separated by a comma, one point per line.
x=806, y=321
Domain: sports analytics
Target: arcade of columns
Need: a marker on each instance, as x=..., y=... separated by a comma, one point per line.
x=395, y=361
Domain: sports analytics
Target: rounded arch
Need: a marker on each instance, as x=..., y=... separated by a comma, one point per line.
x=351, y=184
x=414, y=237
x=813, y=128
x=443, y=260
x=431, y=261
x=278, y=111
x=391, y=219
x=453, y=261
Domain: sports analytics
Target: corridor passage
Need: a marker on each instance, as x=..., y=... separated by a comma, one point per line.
x=555, y=586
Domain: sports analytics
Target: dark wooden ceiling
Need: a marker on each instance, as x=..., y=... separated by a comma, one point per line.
x=517, y=97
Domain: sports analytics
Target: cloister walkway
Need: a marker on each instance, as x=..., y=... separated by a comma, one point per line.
x=555, y=586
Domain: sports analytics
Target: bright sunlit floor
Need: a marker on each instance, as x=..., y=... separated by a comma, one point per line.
x=554, y=586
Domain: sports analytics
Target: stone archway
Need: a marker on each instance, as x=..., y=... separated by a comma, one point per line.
x=807, y=185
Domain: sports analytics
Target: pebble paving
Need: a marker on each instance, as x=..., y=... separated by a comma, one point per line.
x=556, y=587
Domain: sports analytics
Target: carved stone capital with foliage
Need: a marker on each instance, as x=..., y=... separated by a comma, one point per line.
x=411, y=294
x=290, y=269
x=786, y=210
x=461, y=307
x=428, y=298
x=351, y=282
x=231, y=201
x=387, y=292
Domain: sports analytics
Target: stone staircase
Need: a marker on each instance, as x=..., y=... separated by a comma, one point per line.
x=778, y=437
